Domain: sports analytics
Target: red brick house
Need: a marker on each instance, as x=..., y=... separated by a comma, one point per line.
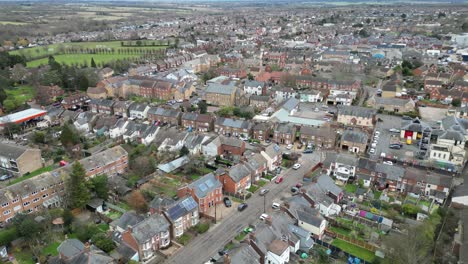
x=206, y=191
x=163, y=115
x=262, y=131
x=110, y=162
x=284, y=133
x=197, y=122
x=232, y=72
x=237, y=180
x=158, y=89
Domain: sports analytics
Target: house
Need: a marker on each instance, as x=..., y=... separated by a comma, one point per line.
x=127, y=219
x=258, y=165
x=232, y=127
x=96, y=92
x=75, y=101
x=106, y=73
x=311, y=96
x=395, y=105
x=148, y=236
x=261, y=131
x=243, y=253
x=74, y=251
x=193, y=121
x=226, y=147
x=273, y=156
x=237, y=180
x=18, y=160
x=138, y=110
x=121, y=108
x=270, y=244
x=429, y=184
x=83, y=122
x=103, y=124
x=344, y=167
x=164, y=116
x=182, y=216
x=255, y=87
x=284, y=133
x=260, y=101
x=206, y=191
x=171, y=139
x=118, y=129
x=149, y=135
x=103, y=106
x=223, y=93
x=281, y=93
x=323, y=137
x=315, y=224
x=356, y=116
x=110, y=162
x=388, y=177
x=354, y=141
x=325, y=195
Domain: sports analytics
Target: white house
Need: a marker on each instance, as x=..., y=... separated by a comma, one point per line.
x=149, y=135
x=278, y=252
x=209, y=148
x=139, y=111
x=312, y=223
x=311, y=96
x=273, y=156
x=118, y=129
x=254, y=87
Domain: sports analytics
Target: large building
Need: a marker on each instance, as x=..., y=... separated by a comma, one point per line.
x=222, y=94
x=22, y=116
x=110, y=162
x=18, y=160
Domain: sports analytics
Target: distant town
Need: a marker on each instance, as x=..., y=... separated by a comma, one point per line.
x=233, y=132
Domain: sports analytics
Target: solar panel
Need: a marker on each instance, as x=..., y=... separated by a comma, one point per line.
x=189, y=204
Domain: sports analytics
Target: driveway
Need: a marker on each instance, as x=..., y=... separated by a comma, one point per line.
x=204, y=246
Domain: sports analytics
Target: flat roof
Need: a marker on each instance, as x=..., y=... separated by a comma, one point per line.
x=22, y=116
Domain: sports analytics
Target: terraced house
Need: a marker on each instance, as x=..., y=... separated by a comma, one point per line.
x=163, y=115
x=110, y=162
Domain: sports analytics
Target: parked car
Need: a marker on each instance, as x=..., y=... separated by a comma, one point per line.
x=296, y=166
x=294, y=190
x=223, y=252
x=263, y=217
x=264, y=191
x=377, y=133
x=279, y=180
x=5, y=177
x=275, y=206
x=407, y=118
x=396, y=146
x=388, y=162
x=289, y=146
x=394, y=130
x=267, y=140
x=227, y=202
x=242, y=207
x=308, y=151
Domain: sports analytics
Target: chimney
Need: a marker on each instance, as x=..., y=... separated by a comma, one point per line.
x=87, y=246
x=227, y=259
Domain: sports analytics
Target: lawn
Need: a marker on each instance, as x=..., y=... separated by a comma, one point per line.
x=32, y=174
x=114, y=214
x=351, y=188
x=253, y=188
x=124, y=206
x=104, y=227
x=338, y=230
x=82, y=59
x=240, y=236
x=21, y=93
x=359, y=252
x=51, y=249
x=23, y=257
x=184, y=239
x=261, y=183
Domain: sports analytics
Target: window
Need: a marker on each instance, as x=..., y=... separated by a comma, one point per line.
x=26, y=203
x=43, y=189
x=7, y=212
x=36, y=200
x=15, y=200
x=5, y=204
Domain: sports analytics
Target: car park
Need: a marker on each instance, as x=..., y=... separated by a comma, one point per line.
x=279, y=180
x=242, y=207
x=227, y=202
x=296, y=166
x=263, y=191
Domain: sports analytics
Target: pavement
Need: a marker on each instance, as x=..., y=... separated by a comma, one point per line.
x=202, y=247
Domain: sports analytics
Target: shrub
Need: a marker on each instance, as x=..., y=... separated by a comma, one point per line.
x=202, y=228
x=7, y=235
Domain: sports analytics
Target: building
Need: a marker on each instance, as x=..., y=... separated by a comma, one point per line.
x=206, y=191
x=273, y=156
x=356, y=116
x=164, y=115
x=222, y=94
x=311, y=96
x=193, y=121
x=284, y=133
x=395, y=105
x=43, y=191
x=315, y=224
x=232, y=127
x=262, y=130
x=22, y=116
x=148, y=236
x=74, y=251
x=75, y=101
x=110, y=162
x=323, y=137
x=182, y=215
x=18, y=160
x=354, y=141
x=237, y=180
x=255, y=87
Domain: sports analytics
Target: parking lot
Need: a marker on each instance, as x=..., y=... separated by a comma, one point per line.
x=407, y=152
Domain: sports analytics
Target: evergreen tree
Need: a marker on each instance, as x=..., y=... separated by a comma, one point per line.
x=83, y=83
x=78, y=193
x=93, y=63
x=69, y=137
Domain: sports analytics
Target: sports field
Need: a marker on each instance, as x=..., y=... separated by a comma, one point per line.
x=81, y=59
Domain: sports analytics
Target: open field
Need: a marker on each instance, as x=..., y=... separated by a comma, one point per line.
x=79, y=59
x=21, y=93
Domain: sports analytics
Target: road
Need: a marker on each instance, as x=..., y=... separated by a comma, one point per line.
x=201, y=248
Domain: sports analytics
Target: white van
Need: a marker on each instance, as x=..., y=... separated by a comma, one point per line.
x=275, y=206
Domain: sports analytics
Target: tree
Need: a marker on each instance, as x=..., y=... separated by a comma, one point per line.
x=11, y=128
x=83, y=83
x=137, y=201
x=93, y=63
x=410, y=209
x=368, y=20
x=78, y=193
x=54, y=65
x=250, y=76
x=184, y=151
x=39, y=137
x=99, y=184
x=202, y=106
x=403, y=15
x=363, y=33
x=51, y=77
x=26, y=226
x=103, y=242
x=19, y=73
x=69, y=137
x=3, y=95
x=142, y=165
x=456, y=102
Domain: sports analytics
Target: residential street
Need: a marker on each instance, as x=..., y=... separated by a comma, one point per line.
x=201, y=248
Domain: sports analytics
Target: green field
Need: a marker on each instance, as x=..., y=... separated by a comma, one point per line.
x=60, y=48
x=79, y=59
x=13, y=23
x=21, y=93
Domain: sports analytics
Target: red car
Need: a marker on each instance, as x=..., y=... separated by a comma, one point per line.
x=279, y=180
x=299, y=185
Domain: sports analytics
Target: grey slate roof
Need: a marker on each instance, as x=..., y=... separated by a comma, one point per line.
x=244, y=254
x=326, y=183
x=149, y=228
x=356, y=111
x=286, y=128
x=11, y=151
x=205, y=185
x=229, y=122
x=355, y=136
x=309, y=218
x=291, y=103
x=129, y=218
x=219, y=88
x=391, y=101
x=253, y=83
x=393, y=172
x=238, y=172
x=95, y=256
x=70, y=248
x=182, y=207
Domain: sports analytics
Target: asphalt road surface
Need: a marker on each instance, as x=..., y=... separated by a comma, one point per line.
x=204, y=246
